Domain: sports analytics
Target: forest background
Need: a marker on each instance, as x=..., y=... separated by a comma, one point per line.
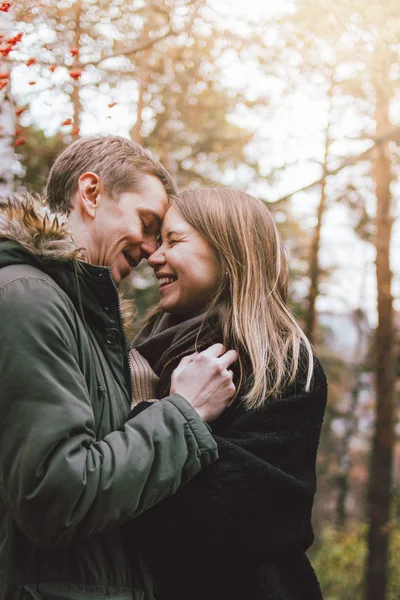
x=299, y=105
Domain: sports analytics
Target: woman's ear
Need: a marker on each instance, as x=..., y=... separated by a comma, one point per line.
x=90, y=188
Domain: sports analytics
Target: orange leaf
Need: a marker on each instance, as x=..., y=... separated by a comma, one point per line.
x=20, y=141
x=15, y=39
x=20, y=110
x=52, y=68
x=5, y=6
x=74, y=51
x=75, y=131
x=30, y=61
x=3, y=84
x=32, y=83
x=5, y=51
x=67, y=122
x=4, y=75
x=75, y=73
x=112, y=104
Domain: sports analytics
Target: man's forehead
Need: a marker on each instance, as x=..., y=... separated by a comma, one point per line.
x=150, y=184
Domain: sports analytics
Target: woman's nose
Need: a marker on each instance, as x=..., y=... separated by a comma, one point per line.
x=157, y=257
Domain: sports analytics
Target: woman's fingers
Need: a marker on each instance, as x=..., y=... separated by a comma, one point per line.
x=218, y=351
x=215, y=350
x=185, y=361
x=228, y=358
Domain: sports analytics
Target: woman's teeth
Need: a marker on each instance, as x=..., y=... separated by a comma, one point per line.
x=166, y=280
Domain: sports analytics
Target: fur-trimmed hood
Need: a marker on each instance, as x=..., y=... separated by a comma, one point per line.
x=27, y=220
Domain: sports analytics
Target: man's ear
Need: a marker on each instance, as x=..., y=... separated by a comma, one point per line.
x=90, y=188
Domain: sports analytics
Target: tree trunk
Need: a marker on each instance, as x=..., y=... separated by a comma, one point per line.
x=343, y=483
x=167, y=156
x=344, y=458
x=75, y=96
x=7, y=124
x=380, y=483
x=7, y=131
x=313, y=292
x=143, y=80
x=314, y=268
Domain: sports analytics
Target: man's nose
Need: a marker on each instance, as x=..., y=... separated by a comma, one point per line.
x=149, y=246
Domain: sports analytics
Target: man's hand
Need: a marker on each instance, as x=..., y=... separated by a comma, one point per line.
x=205, y=381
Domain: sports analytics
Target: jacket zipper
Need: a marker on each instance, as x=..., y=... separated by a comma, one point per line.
x=126, y=343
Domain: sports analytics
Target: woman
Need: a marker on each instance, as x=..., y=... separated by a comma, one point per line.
x=241, y=528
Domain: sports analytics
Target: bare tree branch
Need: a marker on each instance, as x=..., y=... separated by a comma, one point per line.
x=170, y=32
x=294, y=163
x=394, y=134
x=133, y=50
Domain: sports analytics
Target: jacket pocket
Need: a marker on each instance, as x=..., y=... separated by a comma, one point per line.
x=60, y=591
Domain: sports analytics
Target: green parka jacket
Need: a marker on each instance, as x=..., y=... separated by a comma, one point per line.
x=73, y=469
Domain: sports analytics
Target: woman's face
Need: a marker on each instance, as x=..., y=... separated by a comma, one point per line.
x=185, y=266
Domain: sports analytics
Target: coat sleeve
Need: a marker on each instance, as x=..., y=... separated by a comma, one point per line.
x=256, y=498
x=59, y=482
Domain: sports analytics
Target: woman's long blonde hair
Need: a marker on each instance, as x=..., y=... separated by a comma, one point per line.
x=251, y=297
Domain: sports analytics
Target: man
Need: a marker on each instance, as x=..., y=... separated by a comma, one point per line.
x=73, y=469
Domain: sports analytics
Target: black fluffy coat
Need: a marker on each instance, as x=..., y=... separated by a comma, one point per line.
x=240, y=529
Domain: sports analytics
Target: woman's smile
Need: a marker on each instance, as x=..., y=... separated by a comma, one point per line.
x=165, y=280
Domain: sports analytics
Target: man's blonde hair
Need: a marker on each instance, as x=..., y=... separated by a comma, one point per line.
x=251, y=298
x=119, y=162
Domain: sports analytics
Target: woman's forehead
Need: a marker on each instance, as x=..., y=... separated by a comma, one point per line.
x=173, y=221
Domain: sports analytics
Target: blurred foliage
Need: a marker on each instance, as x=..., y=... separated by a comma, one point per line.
x=192, y=134
x=339, y=563
x=140, y=290
x=36, y=157
x=160, y=61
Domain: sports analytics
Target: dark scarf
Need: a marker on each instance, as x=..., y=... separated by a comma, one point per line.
x=166, y=339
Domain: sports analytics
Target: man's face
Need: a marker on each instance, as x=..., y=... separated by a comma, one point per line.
x=125, y=230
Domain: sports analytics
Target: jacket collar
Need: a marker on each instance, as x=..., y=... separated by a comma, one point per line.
x=27, y=220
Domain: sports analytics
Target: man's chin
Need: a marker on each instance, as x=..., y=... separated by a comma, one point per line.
x=118, y=276
x=121, y=277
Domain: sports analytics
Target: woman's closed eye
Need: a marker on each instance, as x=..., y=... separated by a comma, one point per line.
x=171, y=242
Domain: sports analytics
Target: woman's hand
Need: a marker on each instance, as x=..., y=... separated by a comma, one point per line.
x=205, y=381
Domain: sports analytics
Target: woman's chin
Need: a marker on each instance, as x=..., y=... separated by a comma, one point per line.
x=166, y=306
x=180, y=311
x=171, y=307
